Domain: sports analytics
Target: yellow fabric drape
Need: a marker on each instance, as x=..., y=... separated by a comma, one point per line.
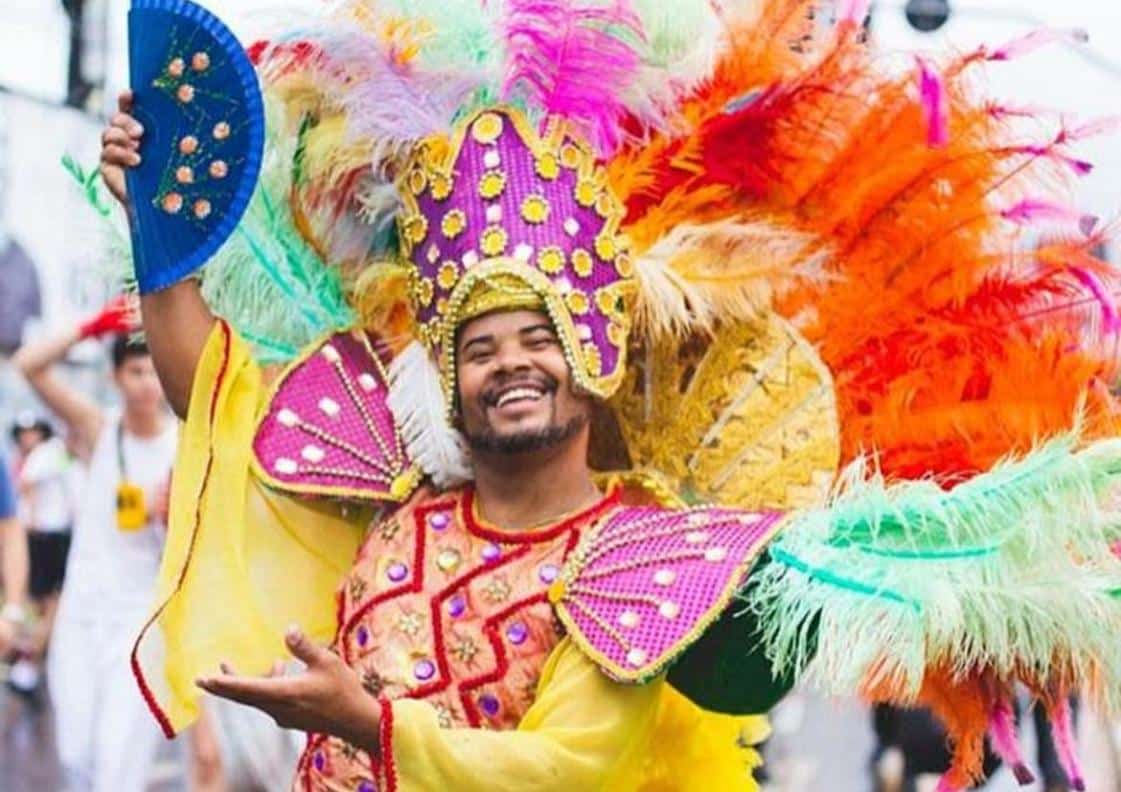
x=242, y=562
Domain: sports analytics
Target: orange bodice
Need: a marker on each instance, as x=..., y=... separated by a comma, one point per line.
x=442, y=607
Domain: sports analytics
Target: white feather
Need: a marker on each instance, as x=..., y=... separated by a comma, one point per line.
x=416, y=399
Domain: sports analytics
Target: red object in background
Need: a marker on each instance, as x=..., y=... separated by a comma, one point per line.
x=118, y=316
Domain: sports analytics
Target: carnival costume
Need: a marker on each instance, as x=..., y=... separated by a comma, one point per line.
x=703, y=198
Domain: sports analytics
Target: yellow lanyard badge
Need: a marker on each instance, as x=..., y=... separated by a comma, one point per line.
x=132, y=511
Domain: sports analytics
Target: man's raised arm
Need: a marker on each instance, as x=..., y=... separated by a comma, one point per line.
x=177, y=321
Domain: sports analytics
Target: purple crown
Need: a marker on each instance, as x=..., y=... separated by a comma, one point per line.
x=500, y=204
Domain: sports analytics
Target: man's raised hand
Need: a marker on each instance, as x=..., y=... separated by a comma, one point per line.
x=120, y=148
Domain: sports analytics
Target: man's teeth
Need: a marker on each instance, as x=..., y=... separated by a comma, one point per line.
x=516, y=394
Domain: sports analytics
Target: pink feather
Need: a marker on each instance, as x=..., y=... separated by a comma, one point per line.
x=1036, y=39
x=1077, y=166
x=1005, y=741
x=1032, y=212
x=853, y=12
x=1111, y=319
x=573, y=60
x=1108, y=125
x=932, y=93
x=1062, y=729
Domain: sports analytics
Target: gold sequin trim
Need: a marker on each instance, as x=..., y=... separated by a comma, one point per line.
x=454, y=223
x=592, y=359
x=577, y=302
x=547, y=167
x=582, y=263
x=448, y=275
x=440, y=186
x=606, y=248
x=586, y=192
x=493, y=242
x=492, y=185
x=417, y=181
x=551, y=260
x=535, y=209
x=487, y=128
x=415, y=228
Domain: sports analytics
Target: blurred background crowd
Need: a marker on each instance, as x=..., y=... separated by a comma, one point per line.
x=87, y=444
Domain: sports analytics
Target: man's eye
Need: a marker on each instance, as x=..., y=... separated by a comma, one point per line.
x=541, y=342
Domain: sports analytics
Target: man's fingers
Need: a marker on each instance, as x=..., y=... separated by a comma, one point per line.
x=259, y=692
x=114, y=135
x=124, y=101
x=119, y=156
x=302, y=648
x=129, y=124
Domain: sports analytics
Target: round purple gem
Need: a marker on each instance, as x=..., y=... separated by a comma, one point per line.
x=397, y=572
x=439, y=520
x=366, y=786
x=363, y=635
x=517, y=633
x=489, y=705
x=319, y=761
x=457, y=605
x=424, y=670
x=547, y=573
x=492, y=553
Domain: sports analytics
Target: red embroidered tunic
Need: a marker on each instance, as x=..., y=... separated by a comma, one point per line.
x=442, y=607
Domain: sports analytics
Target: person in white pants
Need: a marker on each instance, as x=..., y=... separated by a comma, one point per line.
x=107, y=740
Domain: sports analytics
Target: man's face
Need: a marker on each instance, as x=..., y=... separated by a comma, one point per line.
x=139, y=385
x=27, y=439
x=515, y=391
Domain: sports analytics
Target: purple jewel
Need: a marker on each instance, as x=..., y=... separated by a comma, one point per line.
x=489, y=705
x=547, y=573
x=363, y=635
x=492, y=553
x=397, y=572
x=319, y=761
x=457, y=605
x=439, y=520
x=366, y=786
x=424, y=670
x=517, y=633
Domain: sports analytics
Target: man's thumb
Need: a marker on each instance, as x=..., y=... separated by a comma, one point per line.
x=302, y=648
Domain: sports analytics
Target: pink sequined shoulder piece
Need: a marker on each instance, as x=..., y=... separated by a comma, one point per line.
x=328, y=429
x=646, y=582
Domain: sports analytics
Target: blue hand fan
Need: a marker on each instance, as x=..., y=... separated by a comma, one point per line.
x=197, y=95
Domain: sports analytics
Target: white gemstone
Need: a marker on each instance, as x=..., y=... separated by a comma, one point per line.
x=628, y=619
x=669, y=610
x=584, y=332
x=433, y=254
x=523, y=252
x=286, y=466
x=697, y=518
x=288, y=418
x=571, y=227
x=665, y=577
x=470, y=258
x=696, y=537
x=330, y=353
x=313, y=454
x=492, y=159
x=494, y=213
x=329, y=406
x=636, y=657
x=564, y=285
x=749, y=520
x=716, y=554
x=367, y=382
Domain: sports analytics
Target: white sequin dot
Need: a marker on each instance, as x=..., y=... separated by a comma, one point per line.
x=330, y=353
x=696, y=537
x=669, y=610
x=564, y=285
x=494, y=213
x=329, y=407
x=523, y=252
x=571, y=227
x=584, y=332
x=433, y=254
x=470, y=258
x=665, y=577
x=716, y=554
x=628, y=619
x=288, y=418
x=492, y=159
x=748, y=520
x=286, y=466
x=313, y=454
x=367, y=382
x=697, y=518
x=636, y=657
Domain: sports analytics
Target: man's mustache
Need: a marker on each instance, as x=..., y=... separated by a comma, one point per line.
x=489, y=397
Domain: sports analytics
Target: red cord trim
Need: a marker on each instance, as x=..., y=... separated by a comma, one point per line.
x=134, y=659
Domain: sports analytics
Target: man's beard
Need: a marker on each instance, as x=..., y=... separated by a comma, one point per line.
x=487, y=441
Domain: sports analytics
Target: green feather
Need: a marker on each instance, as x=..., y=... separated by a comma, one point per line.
x=1009, y=570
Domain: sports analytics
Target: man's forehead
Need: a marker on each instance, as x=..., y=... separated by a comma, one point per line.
x=501, y=323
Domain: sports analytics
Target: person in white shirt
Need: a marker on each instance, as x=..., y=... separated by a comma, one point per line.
x=106, y=738
x=44, y=475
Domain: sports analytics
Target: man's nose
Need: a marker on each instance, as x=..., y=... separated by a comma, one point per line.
x=511, y=357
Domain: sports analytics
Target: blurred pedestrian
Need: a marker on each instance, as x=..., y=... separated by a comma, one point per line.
x=14, y=564
x=106, y=738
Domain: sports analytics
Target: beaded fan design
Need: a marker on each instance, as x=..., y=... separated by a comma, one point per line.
x=328, y=429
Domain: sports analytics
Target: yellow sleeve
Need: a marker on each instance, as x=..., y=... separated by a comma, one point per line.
x=242, y=561
x=583, y=732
